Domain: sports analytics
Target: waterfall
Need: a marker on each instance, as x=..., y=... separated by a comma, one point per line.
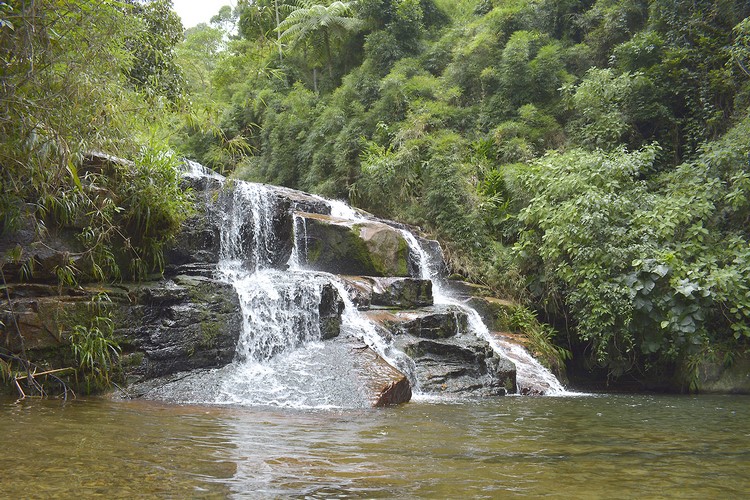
x=238, y=229
x=531, y=376
x=281, y=358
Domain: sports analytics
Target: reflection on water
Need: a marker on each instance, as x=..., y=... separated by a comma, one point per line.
x=603, y=446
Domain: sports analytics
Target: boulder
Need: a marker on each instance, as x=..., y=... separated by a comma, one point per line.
x=384, y=384
x=401, y=293
x=404, y=293
x=359, y=290
x=181, y=324
x=162, y=327
x=330, y=309
x=365, y=248
x=448, y=358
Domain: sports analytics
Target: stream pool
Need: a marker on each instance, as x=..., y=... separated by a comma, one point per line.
x=600, y=446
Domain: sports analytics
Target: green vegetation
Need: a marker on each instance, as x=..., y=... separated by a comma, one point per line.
x=79, y=78
x=588, y=159
x=93, y=346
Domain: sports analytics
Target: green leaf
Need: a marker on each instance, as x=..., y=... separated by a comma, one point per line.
x=73, y=171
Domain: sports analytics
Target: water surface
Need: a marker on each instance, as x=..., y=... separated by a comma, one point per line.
x=613, y=446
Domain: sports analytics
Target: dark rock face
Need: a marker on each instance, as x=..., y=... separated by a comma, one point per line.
x=196, y=248
x=448, y=359
x=439, y=322
x=181, y=324
x=38, y=260
x=163, y=327
x=400, y=293
x=330, y=309
x=42, y=315
x=404, y=293
x=459, y=366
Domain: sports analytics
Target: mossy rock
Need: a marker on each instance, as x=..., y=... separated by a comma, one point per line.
x=365, y=248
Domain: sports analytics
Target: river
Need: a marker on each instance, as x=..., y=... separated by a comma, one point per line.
x=600, y=446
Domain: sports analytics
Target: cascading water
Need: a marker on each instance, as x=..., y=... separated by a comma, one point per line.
x=280, y=358
x=531, y=376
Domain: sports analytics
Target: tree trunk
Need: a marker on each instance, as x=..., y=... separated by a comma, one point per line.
x=278, y=33
x=328, y=54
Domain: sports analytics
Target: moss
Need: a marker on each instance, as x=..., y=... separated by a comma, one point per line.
x=314, y=251
x=402, y=254
x=362, y=254
x=133, y=359
x=210, y=331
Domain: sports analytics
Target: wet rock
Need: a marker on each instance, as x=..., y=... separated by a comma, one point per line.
x=181, y=324
x=196, y=248
x=394, y=393
x=384, y=384
x=493, y=311
x=400, y=293
x=163, y=327
x=299, y=201
x=448, y=359
x=403, y=293
x=364, y=248
x=441, y=322
x=330, y=309
x=465, y=366
x=359, y=289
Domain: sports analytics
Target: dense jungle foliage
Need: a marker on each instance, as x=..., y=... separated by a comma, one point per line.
x=587, y=158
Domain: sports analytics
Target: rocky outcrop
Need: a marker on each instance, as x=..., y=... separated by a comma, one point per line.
x=717, y=377
x=340, y=246
x=196, y=248
x=188, y=320
x=27, y=257
x=163, y=327
x=401, y=293
x=330, y=309
x=175, y=325
x=448, y=359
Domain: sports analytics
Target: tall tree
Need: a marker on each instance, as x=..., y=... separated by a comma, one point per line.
x=154, y=69
x=317, y=27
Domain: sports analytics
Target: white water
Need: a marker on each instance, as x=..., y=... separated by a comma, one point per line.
x=280, y=359
x=196, y=170
x=530, y=374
